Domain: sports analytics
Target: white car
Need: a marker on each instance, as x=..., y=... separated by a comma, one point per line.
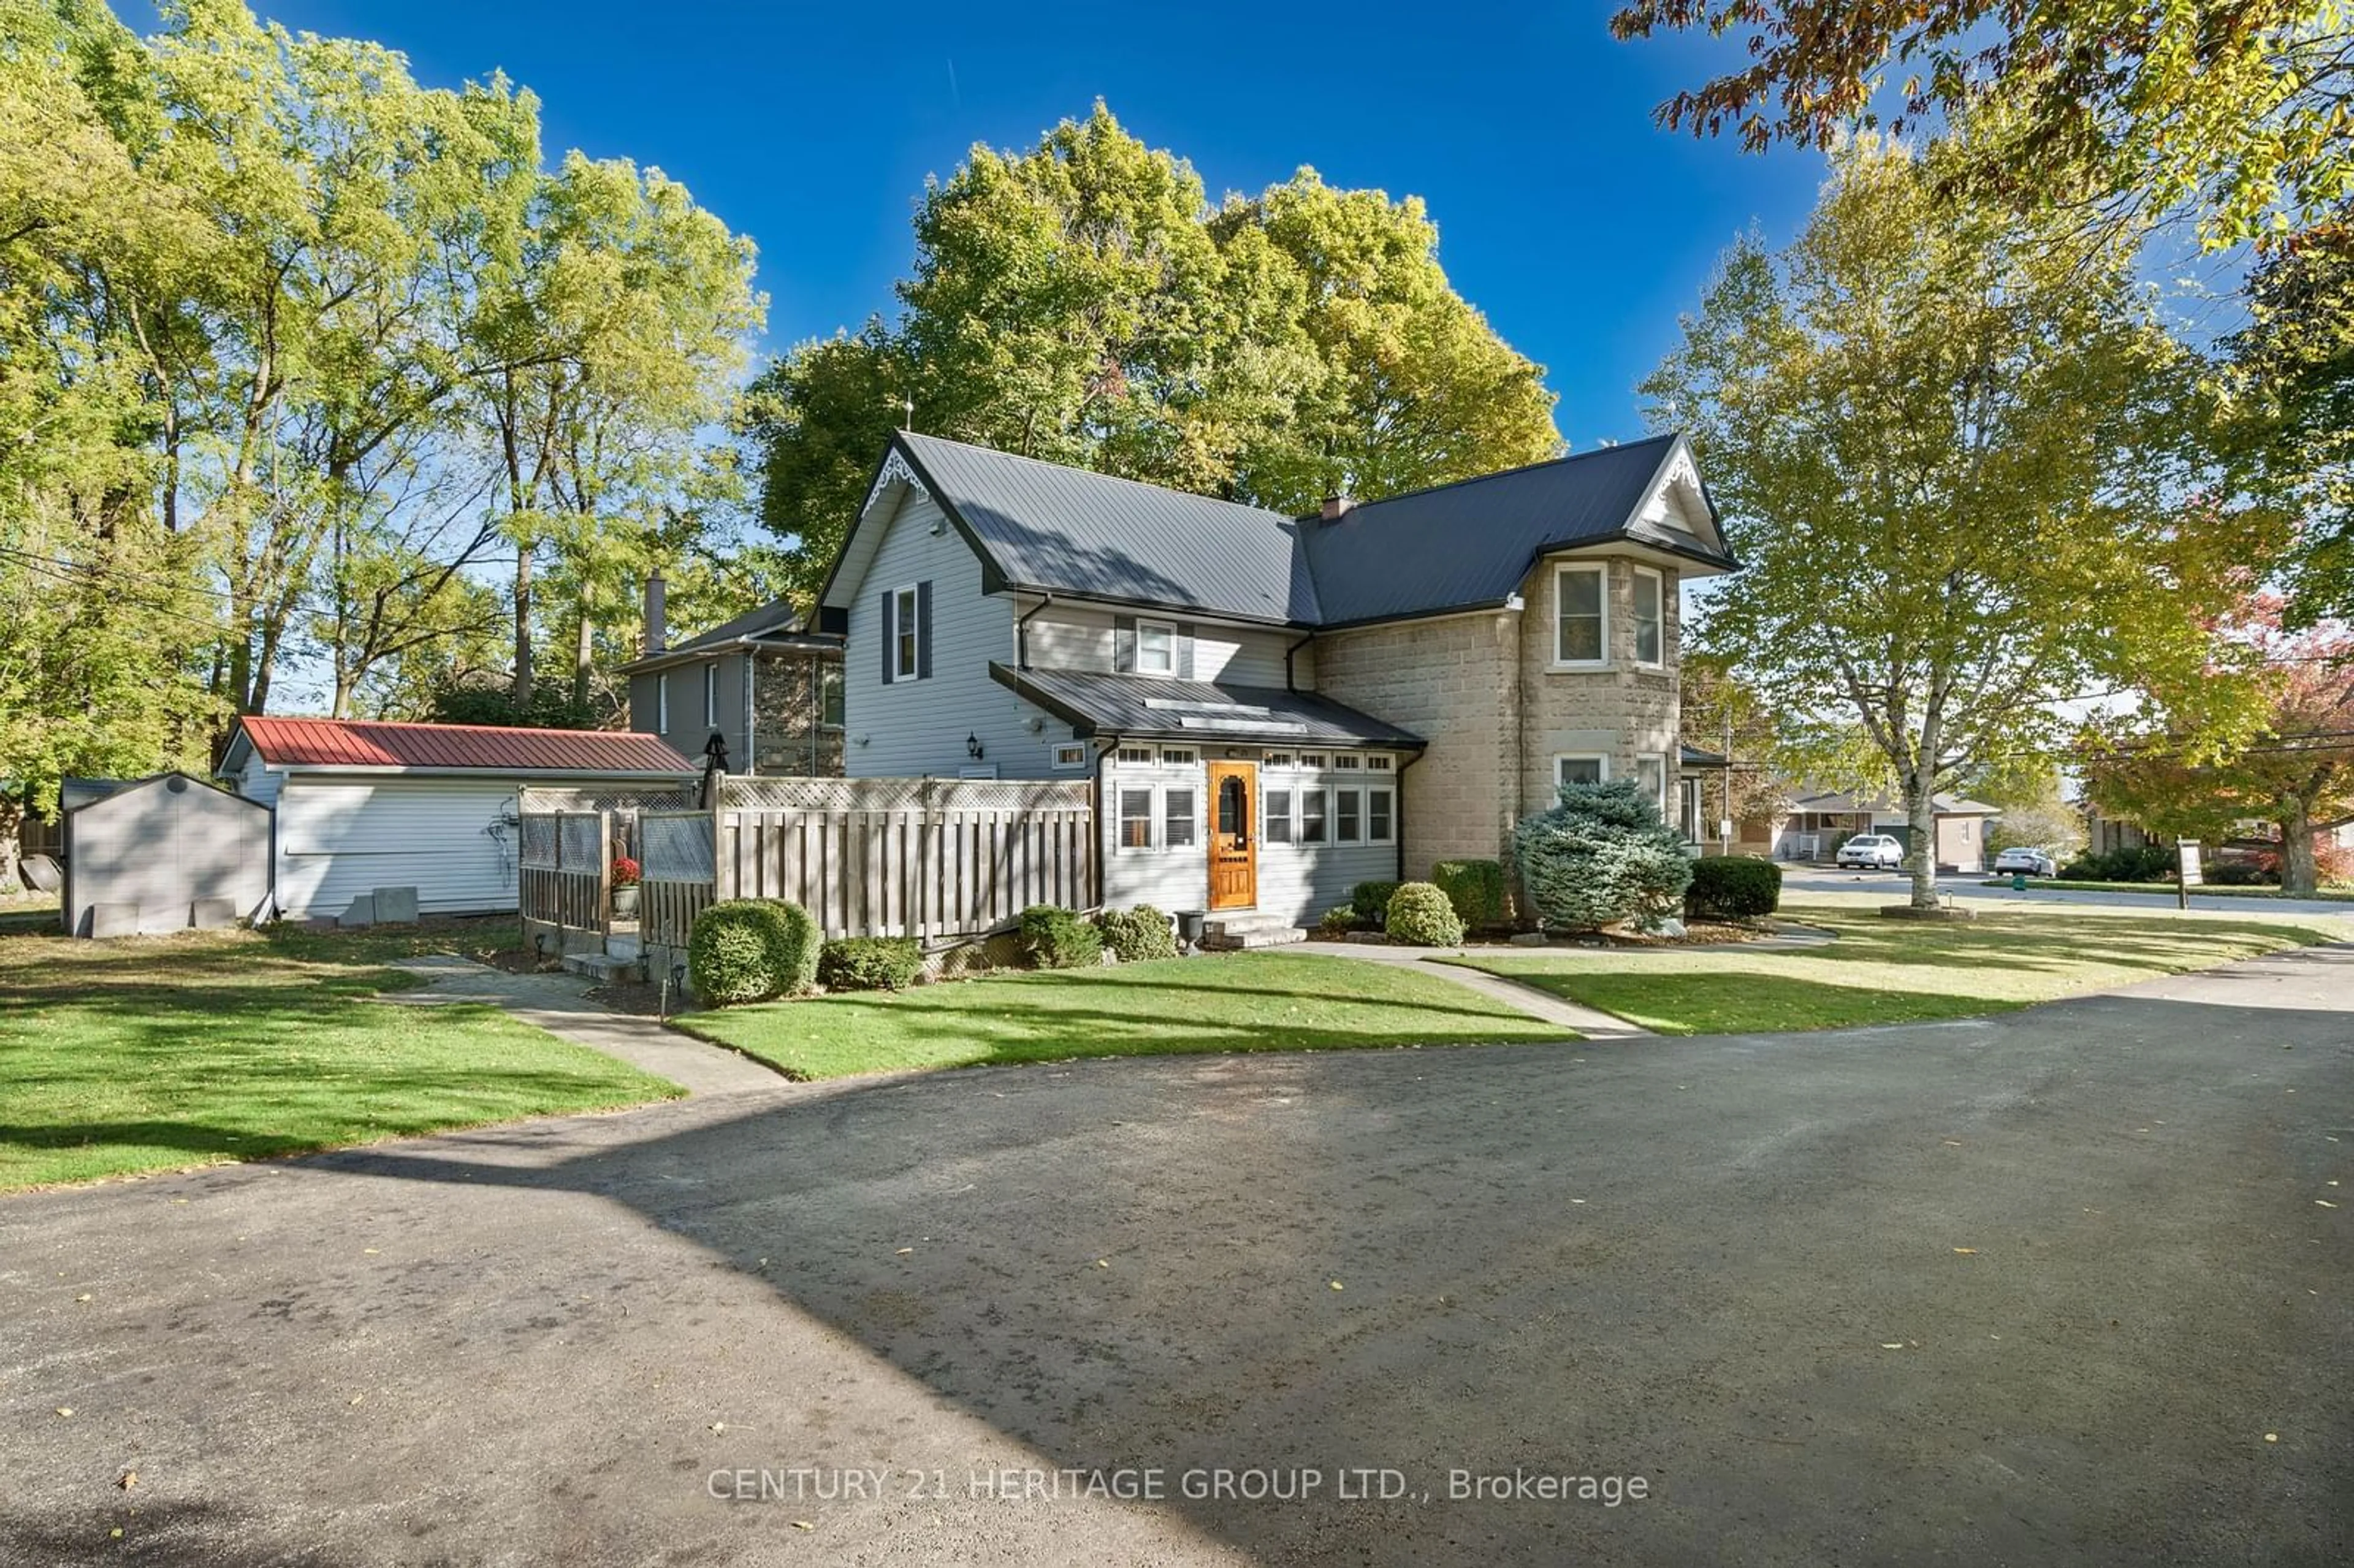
x=2033, y=862
x=1870, y=852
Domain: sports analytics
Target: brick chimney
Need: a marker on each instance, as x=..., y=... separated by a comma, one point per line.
x=657, y=624
x=1337, y=506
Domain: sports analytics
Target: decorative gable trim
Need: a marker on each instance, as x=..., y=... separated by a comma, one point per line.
x=896, y=469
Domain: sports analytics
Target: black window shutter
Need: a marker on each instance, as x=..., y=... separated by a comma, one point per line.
x=890, y=644
x=1123, y=645
x=1184, y=650
x=924, y=632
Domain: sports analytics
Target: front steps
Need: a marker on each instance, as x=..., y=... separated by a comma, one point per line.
x=606, y=969
x=1243, y=933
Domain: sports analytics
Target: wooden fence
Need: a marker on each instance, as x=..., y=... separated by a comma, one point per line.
x=564, y=875
x=678, y=874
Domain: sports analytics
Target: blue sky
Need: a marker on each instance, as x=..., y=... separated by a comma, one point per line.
x=1580, y=228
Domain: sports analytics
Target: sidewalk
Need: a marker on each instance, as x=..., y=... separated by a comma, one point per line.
x=1585, y=1021
x=558, y=1003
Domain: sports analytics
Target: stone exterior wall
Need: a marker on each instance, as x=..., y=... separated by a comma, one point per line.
x=785, y=719
x=1483, y=691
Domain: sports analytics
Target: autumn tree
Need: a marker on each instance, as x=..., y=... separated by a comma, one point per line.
x=1954, y=464
x=2239, y=111
x=2295, y=771
x=2293, y=363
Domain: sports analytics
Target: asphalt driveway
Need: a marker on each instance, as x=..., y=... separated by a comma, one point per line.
x=2072, y=1285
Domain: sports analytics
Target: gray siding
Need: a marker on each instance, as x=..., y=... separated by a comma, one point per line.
x=688, y=730
x=162, y=849
x=910, y=728
x=1079, y=637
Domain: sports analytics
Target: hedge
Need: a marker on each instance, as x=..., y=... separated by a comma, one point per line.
x=749, y=950
x=1734, y=886
x=1421, y=917
x=870, y=963
x=1476, y=888
x=1054, y=937
x=1371, y=900
x=1138, y=934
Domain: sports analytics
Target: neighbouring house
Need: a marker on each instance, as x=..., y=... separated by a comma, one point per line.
x=144, y=856
x=1272, y=708
x=764, y=683
x=362, y=805
x=1813, y=824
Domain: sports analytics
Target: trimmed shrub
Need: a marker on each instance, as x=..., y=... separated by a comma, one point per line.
x=1601, y=856
x=1422, y=916
x=870, y=963
x=1338, y=921
x=1371, y=900
x=1734, y=886
x=2149, y=862
x=1054, y=937
x=1138, y=934
x=1476, y=888
x=748, y=950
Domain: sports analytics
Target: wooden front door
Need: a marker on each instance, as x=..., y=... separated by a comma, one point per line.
x=1233, y=838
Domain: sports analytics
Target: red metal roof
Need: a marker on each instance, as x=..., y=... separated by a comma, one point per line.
x=357, y=742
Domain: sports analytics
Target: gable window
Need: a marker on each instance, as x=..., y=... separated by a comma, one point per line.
x=1581, y=767
x=828, y=695
x=661, y=702
x=1651, y=776
x=1381, y=816
x=1069, y=757
x=1582, y=624
x=1311, y=816
x=1348, y=817
x=1156, y=648
x=1135, y=819
x=710, y=696
x=1136, y=753
x=1651, y=617
x=1278, y=816
x=1177, y=816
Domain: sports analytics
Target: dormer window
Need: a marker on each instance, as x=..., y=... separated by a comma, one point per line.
x=1156, y=648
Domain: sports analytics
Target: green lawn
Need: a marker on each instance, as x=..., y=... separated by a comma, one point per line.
x=1900, y=971
x=2166, y=889
x=1245, y=1002
x=161, y=1053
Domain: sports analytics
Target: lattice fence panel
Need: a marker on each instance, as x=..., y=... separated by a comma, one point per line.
x=580, y=840
x=678, y=846
x=537, y=841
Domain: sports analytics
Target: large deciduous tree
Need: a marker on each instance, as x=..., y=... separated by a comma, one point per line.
x=1083, y=302
x=2295, y=362
x=2242, y=111
x=1956, y=466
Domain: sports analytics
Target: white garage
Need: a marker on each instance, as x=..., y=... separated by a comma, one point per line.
x=363, y=805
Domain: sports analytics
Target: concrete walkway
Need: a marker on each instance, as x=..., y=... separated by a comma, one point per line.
x=1585, y=1020
x=560, y=1004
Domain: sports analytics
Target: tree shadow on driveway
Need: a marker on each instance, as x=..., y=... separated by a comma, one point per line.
x=2005, y=1291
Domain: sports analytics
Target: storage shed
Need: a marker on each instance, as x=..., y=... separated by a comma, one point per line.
x=363, y=805
x=150, y=855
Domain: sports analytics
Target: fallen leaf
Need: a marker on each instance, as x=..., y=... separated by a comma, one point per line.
x=83, y=1296
x=1103, y=1263
x=357, y=1397
x=114, y=1534
x=130, y=1479
x=1967, y=1251
x=1336, y=1285
x=2325, y=1202
x=1952, y=1143
x=720, y=1426
x=65, y=1410
x=902, y=1251
x=1898, y=1346
x=2272, y=1437
x=368, y=1252
x=802, y=1523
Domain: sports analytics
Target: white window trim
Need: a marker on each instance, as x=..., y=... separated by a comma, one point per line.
x=831, y=684
x=1171, y=628
x=1125, y=760
x=1181, y=756
x=1299, y=798
x=1660, y=583
x=1380, y=762
x=1121, y=818
x=1390, y=790
x=1667, y=779
x=1599, y=569
x=1561, y=756
x=1162, y=803
x=661, y=702
x=1056, y=753
x=907, y=602
x=1291, y=818
x=711, y=695
x=1334, y=834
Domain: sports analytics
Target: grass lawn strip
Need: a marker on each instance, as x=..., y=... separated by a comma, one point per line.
x=2166, y=889
x=1243, y=1001
x=1897, y=971
x=162, y=1052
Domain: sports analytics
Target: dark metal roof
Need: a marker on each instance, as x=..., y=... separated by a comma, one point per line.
x=777, y=625
x=1204, y=712
x=1069, y=530
x=1694, y=756
x=1470, y=544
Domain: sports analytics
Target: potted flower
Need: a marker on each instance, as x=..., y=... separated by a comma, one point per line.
x=625, y=887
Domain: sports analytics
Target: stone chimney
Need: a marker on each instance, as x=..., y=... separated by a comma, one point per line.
x=1337, y=506
x=657, y=623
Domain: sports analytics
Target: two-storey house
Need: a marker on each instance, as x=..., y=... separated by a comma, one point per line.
x=1272, y=708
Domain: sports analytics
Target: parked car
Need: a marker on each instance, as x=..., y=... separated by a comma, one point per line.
x=1870, y=852
x=2033, y=862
